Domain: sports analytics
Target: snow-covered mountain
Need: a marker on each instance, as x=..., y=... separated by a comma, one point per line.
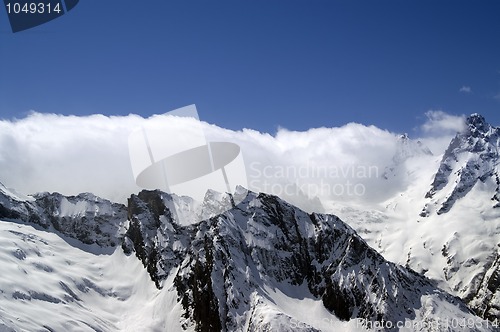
x=263, y=265
x=85, y=263
x=224, y=267
x=469, y=174
x=445, y=223
x=471, y=157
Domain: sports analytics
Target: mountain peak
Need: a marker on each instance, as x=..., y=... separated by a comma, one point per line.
x=407, y=148
x=471, y=157
x=476, y=124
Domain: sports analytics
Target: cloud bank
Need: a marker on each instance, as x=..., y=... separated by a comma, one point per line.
x=70, y=154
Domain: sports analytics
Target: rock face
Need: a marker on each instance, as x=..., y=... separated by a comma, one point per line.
x=86, y=217
x=224, y=265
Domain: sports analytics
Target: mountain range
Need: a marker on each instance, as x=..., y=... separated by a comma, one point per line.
x=426, y=259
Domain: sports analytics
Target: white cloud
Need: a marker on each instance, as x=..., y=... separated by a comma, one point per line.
x=465, y=89
x=439, y=123
x=67, y=154
x=70, y=154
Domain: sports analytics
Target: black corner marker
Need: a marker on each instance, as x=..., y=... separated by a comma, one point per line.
x=26, y=14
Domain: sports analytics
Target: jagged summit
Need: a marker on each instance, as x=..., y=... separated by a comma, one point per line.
x=476, y=124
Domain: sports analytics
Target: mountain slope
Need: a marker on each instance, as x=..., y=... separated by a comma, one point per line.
x=49, y=283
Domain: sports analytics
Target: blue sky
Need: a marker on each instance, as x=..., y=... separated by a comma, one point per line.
x=259, y=64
